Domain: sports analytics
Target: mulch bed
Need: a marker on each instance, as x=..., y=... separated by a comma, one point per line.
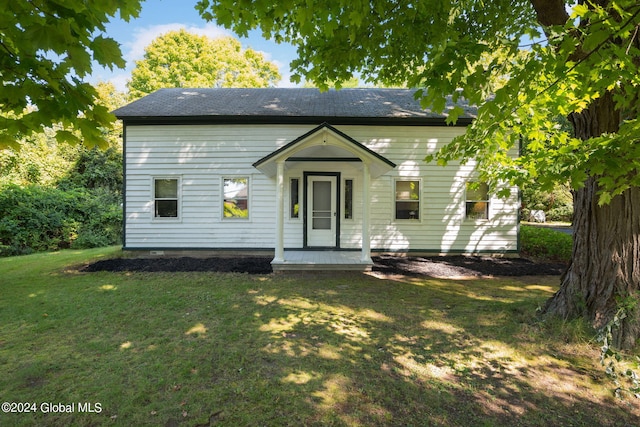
x=446, y=266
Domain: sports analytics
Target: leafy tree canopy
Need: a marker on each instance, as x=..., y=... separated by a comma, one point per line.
x=41, y=160
x=183, y=59
x=47, y=48
x=353, y=82
x=523, y=62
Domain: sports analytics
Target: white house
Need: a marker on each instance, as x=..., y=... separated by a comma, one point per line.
x=304, y=175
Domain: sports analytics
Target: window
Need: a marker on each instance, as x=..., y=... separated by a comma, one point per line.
x=348, y=199
x=294, y=198
x=236, y=198
x=165, y=197
x=477, y=201
x=407, y=199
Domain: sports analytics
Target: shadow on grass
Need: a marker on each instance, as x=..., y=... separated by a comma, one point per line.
x=201, y=349
x=366, y=351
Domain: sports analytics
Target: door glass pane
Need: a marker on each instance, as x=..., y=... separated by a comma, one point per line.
x=321, y=209
x=321, y=196
x=321, y=223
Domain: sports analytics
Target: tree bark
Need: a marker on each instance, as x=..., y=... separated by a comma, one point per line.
x=604, y=274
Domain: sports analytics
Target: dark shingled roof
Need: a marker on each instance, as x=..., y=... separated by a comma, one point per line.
x=284, y=105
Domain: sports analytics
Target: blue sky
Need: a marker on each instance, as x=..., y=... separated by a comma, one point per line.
x=160, y=16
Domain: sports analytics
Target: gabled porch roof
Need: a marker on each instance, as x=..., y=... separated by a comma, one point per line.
x=325, y=143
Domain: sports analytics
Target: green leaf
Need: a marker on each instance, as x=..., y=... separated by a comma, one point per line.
x=106, y=51
x=7, y=141
x=65, y=136
x=593, y=40
x=579, y=10
x=604, y=198
x=453, y=114
x=439, y=104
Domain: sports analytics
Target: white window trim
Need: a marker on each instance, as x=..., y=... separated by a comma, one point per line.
x=420, y=199
x=249, y=197
x=155, y=218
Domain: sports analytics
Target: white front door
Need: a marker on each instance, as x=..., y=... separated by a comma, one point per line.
x=321, y=211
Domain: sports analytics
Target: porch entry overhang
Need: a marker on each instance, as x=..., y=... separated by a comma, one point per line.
x=323, y=144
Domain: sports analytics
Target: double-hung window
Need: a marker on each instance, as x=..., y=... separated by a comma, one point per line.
x=407, y=199
x=166, y=198
x=477, y=201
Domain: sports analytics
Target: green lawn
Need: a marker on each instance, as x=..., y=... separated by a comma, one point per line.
x=199, y=349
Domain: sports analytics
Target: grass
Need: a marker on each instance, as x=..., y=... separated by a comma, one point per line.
x=199, y=349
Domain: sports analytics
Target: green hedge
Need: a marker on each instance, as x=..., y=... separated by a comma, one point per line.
x=546, y=243
x=36, y=219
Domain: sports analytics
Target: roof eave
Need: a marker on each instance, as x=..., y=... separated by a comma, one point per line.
x=302, y=120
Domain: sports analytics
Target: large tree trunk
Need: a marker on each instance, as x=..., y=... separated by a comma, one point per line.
x=604, y=274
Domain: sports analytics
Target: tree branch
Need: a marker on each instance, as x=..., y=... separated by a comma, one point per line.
x=550, y=12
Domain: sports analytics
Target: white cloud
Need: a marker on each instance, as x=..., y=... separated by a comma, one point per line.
x=120, y=81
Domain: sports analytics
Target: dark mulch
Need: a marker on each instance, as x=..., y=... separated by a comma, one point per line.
x=446, y=266
x=451, y=266
x=251, y=265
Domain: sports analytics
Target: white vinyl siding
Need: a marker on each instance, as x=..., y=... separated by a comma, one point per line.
x=204, y=155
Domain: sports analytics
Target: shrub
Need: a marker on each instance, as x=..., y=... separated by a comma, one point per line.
x=547, y=243
x=561, y=213
x=101, y=220
x=95, y=169
x=39, y=219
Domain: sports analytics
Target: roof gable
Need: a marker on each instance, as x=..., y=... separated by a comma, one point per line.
x=284, y=105
x=326, y=143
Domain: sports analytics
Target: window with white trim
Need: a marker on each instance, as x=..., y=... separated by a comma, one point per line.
x=236, y=198
x=294, y=198
x=477, y=200
x=348, y=198
x=166, y=198
x=407, y=199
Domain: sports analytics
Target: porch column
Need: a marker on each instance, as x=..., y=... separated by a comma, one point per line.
x=366, y=238
x=279, y=255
